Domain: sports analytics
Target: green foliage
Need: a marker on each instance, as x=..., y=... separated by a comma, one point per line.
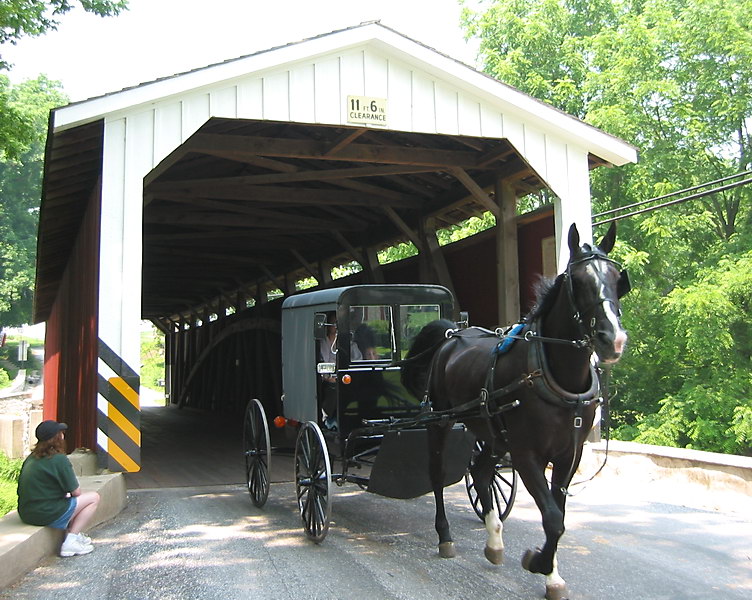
x=20, y=191
x=10, y=469
x=152, y=359
x=675, y=79
x=5, y=379
x=398, y=252
x=24, y=110
x=465, y=229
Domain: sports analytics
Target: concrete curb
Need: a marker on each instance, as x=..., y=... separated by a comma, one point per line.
x=23, y=547
x=691, y=478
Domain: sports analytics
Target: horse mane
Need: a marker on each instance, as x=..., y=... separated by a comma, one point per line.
x=546, y=290
x=416, y=364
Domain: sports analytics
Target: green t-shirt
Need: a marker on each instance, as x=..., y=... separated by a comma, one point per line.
x=42, y=486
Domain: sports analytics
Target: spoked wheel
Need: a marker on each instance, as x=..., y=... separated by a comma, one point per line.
x=503, y=486
x=313, y=479
x=257, y=451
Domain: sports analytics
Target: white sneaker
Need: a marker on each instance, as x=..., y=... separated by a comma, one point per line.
x=74, y=545
x=85, y=538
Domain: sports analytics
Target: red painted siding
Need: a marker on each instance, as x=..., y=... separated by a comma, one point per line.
x=70, y=367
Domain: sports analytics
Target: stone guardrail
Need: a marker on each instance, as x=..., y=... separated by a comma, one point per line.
x=713, y=472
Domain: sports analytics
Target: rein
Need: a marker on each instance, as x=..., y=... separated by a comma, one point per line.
x=606, y=424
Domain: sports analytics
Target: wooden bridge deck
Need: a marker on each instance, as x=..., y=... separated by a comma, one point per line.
x=188, y=447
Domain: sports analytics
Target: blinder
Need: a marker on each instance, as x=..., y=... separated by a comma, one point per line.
x=623, y=286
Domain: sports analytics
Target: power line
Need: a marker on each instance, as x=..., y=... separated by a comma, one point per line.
x=672, y=202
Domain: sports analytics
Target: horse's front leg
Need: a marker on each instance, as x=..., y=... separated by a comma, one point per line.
x=437, y=435
x=561, y=477
x=543, y=560
x=483, y=470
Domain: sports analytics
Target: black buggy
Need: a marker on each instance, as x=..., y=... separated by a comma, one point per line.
x=353, y=408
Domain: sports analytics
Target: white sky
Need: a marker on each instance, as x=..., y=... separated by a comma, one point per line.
x=157, y=38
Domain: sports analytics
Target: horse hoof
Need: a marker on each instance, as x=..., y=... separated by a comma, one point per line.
x=557, y=592
x=528, y=558
x=446, y=550
x=494, y=556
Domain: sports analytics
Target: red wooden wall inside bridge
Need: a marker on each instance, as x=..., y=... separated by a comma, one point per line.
x=71, y=338
x=248, y=363
x=472, y=265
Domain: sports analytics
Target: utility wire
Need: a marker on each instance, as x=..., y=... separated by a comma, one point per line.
x=672, y=202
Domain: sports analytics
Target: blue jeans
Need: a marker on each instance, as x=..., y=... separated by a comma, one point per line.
x=62, y=521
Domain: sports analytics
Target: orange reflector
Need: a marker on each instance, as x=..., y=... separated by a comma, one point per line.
x=346, y=379
x=280, y=422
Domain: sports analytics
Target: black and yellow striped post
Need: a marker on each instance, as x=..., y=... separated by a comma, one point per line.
x=118, y=413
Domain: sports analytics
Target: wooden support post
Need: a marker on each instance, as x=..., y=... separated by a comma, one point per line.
x=374, y=267
x=325, y=273
x=280, y=282
x=402, y=226
x=434, y=257
x=475, y=190
x=306, y=265
x=507, y=261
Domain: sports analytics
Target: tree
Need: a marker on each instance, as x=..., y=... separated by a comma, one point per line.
x=674, y=78
x=24, y=112
x=20, y=18
x=20, y=191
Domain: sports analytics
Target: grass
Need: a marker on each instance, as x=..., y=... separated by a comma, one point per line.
x=9, y=471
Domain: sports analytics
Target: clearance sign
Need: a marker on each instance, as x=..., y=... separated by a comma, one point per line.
x=364, y=110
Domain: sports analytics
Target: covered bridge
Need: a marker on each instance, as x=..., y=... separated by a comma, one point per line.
x=197, y=200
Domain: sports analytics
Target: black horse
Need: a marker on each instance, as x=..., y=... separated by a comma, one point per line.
x=536, y=399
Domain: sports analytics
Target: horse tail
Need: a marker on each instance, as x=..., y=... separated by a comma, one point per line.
x=416, y=365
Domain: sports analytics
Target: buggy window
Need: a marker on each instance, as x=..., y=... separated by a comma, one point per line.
x=372, y=331
x=413, y=317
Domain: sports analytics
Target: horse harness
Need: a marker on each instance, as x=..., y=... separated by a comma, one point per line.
x=538, y=377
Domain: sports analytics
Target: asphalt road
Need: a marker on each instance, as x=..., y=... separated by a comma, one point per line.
x=622, y=541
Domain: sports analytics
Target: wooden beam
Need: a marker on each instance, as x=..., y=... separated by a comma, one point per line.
x=507, y=260
x=259, y=221
x=403, y=227
x=345, y=139
x=436, y=256
x=368, y=195
x=255, y=213
x=279, y=282
x=236, y=147
x=374, y=266
x=306, y=265
x=476, y=191
x=355, y=254
x=300, y=176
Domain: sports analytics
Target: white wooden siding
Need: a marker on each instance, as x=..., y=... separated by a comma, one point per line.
x=315, y=91
x=309, y=91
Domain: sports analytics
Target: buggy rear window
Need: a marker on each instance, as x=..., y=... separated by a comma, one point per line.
x=372, y=331
x=413, y=317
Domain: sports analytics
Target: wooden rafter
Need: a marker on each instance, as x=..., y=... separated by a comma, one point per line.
x=236, y=147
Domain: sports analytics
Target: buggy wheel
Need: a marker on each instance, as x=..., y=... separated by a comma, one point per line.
x=257, y=450
x=313, y=478
x=503, y=486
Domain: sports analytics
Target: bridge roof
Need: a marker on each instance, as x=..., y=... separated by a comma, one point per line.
x=253, y=177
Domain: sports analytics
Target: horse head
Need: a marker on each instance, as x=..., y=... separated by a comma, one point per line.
x=596, y=284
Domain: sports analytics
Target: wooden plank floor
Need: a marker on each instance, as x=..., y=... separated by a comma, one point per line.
x=187, y=447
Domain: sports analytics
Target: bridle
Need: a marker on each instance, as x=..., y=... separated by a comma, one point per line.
x=587, y=332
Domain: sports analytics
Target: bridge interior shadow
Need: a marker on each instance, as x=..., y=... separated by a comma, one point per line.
x=190, y=447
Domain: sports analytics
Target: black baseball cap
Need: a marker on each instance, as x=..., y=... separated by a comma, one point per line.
x=47, y=430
